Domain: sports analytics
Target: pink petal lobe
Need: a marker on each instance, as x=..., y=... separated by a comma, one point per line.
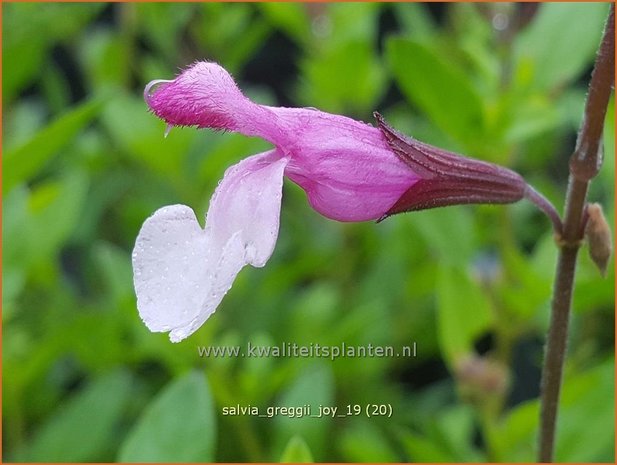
x=248, y=201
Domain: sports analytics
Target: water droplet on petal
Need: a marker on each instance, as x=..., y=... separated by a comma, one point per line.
x=151, y=88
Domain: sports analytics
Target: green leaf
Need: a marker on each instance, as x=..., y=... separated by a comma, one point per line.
x=423, y=449
x=178, y=425
x=313, y=387
x=448, y=438
x=346, y=78
x=291, y=18
x=586, y=423
x=463, y=312
x=415, y=19
x=516, y=438
x=38, y=223
x=531, y=118
x=25, y=118
x=585, y=426
x=529, y=289
x=607, y=173
x=56, y=88
x=436, y=227
x=296, y=451
x=140, y=135
x=454, y=428
x=83, y=428
x=105, y=58
x=163, y=24
x=14, y=221
x=560, y=43
x=37, y=28
x=436, y=86
x=364, y=442
x=114, y=265
x=216, y=29
x=22, y=163
x=350, y=24
x=54, y=208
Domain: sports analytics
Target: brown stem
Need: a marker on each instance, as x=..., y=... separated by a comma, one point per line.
x=584, y=165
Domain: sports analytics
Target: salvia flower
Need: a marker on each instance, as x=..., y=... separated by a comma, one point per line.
x=351, y=171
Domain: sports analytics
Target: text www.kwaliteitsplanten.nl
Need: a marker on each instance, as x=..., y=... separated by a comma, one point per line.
x=293, y=350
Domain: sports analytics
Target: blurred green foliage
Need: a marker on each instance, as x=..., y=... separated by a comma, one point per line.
x=85, y=163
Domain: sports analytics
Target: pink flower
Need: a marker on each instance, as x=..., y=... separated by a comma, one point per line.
x=346, y=167
x=350, y=171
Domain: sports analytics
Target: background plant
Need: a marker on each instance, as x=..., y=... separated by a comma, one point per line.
x=84, y=164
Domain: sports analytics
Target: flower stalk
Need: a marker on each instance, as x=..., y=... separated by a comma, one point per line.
x=584, y=166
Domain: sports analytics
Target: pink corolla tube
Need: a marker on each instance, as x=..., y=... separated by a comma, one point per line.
x=350, y=171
